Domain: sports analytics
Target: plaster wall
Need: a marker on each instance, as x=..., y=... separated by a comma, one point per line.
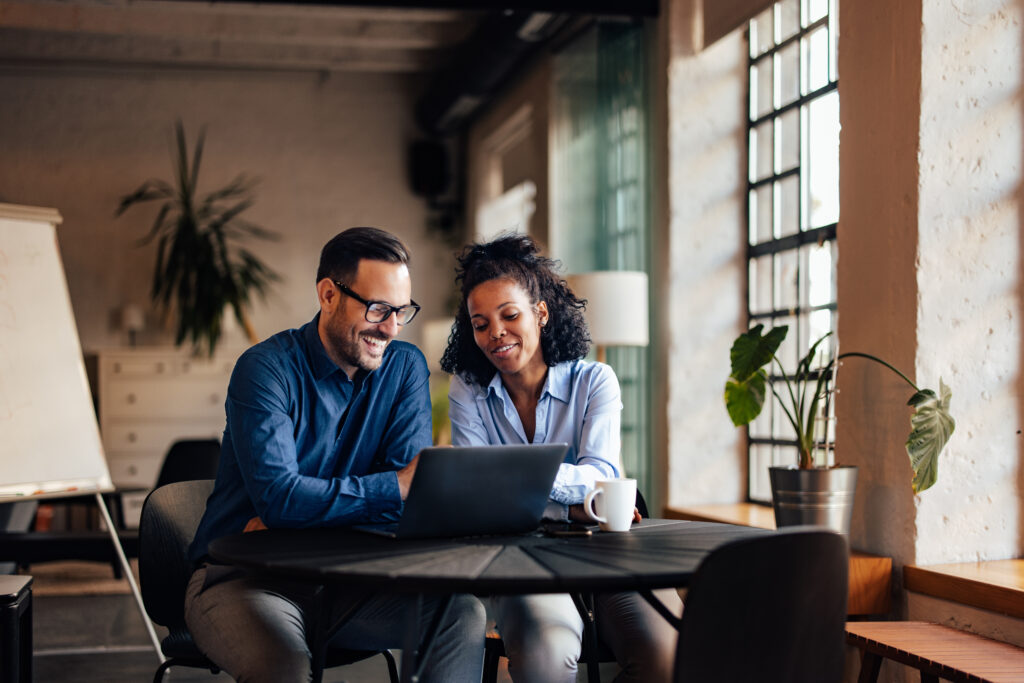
x=330, y=152
x=704, y=304
x=969, y=274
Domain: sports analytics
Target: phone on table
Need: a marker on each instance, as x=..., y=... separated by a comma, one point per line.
x=565, y=529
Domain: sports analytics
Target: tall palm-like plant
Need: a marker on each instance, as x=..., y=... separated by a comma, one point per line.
x=201, y=267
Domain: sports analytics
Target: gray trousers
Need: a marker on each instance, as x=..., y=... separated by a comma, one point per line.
x=255, y=628
x=543, y=635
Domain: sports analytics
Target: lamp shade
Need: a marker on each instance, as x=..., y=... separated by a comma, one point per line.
x=616, y=306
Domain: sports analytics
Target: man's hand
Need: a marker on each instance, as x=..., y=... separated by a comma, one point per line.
x=254, y=524
x=405, y=476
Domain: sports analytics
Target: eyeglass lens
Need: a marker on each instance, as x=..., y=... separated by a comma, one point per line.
x=378, y=313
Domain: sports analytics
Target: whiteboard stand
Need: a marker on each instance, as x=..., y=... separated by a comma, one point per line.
x=126, y=567
x=41, y=367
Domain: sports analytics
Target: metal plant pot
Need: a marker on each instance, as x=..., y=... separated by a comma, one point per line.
x=820, y=496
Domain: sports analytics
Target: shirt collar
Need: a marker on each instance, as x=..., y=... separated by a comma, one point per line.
x=318, y=359
x=558, y=383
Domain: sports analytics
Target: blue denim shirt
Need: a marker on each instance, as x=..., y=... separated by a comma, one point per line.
x=306, y=446
x=579, y=405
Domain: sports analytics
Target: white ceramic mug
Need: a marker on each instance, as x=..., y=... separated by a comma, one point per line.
x=611, y=503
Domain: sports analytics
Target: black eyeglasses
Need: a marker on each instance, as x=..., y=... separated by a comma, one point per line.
x=378, y=311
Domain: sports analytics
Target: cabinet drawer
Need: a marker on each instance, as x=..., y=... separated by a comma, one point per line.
x=199, y=397
x=141, y=436
x=128, y=366
x=134, y=470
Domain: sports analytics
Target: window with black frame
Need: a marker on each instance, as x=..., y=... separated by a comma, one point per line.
x=793, y=199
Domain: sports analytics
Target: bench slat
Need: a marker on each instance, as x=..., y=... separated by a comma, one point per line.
x=939, y=650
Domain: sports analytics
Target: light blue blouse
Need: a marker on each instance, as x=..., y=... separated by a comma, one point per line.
x=579, y=405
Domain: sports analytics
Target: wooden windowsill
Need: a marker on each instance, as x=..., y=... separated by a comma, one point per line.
x=995, y=585
x=870, y=575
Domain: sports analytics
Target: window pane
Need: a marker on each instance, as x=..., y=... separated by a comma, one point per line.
x=788, y=149
x=761, y=148
x=761, y=29
x=786, y=281
x=760, y=459
x=819, y=323
x=785, y=456
x=788, y=62
x=761, y=427
x=816, y=60
x=789, y=18
x=789, y=205
x=760, y=296
x=816, y=9
x=823, y=160
x=761, y=214
x=762, y=89
x=820, y=276
x=789, y=348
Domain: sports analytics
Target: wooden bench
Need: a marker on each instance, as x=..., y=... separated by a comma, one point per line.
x=936, y=651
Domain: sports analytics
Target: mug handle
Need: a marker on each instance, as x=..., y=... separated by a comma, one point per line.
x=588, y=504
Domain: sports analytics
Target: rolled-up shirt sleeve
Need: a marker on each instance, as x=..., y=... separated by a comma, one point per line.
x=598, y=452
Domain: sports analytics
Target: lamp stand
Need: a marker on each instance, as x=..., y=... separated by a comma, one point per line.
x=602, y=354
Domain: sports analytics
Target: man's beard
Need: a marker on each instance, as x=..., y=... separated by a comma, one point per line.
x=349, y=348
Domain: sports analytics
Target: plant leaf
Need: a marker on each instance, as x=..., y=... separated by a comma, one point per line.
x=931, y=426
x=752, y=351
x=745, y=399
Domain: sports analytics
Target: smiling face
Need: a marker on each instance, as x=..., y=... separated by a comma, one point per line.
x=507, y=326
x=350, y=341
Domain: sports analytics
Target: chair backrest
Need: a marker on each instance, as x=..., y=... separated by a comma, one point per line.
x=170, y=517
x=190, y=459
x=769, y=608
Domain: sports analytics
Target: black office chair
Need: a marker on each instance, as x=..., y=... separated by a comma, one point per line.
x=170, y=517
x=190, y=459
x=765, y=609
x=593, y=650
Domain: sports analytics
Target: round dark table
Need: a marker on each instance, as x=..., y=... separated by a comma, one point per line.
x=656, y=553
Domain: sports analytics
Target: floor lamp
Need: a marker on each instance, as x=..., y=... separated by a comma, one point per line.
x=616, y=310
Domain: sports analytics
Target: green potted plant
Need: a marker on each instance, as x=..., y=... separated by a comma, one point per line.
x=201, y=268
x=823, y=494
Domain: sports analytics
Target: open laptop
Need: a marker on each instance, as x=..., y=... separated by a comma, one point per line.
x=476, y=491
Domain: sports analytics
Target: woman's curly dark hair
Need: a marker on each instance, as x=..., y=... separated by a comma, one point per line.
x=517, y=258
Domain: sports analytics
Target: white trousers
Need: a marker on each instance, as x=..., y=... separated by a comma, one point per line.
x=543, y=635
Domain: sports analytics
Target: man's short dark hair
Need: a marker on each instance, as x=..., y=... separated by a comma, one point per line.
x=340, y=257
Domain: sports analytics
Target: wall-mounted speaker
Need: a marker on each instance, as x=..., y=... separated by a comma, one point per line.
x=429, y=173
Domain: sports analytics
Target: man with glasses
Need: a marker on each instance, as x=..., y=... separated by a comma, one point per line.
x=324, y=427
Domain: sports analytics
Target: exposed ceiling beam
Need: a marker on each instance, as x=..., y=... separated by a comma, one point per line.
x=623, y=8
x=36, y=47
x=378, y=29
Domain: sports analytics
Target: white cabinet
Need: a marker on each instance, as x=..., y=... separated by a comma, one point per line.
x=148, y=398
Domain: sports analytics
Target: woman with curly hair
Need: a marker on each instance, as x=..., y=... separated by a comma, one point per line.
x=516, y=350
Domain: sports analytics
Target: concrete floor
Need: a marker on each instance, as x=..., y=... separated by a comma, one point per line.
x=101, y=639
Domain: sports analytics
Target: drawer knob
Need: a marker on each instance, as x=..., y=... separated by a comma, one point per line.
x=131, y=437
x=131, y=399
x=214, y=399
x=133, y=470
x=159, y=367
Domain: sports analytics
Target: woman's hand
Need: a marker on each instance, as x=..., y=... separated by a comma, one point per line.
x=254, y=524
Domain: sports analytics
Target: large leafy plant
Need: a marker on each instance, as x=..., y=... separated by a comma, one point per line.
x=807, y=388
x=201, y=268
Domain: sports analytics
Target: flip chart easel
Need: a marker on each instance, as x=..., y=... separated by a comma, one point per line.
x=49, y=440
